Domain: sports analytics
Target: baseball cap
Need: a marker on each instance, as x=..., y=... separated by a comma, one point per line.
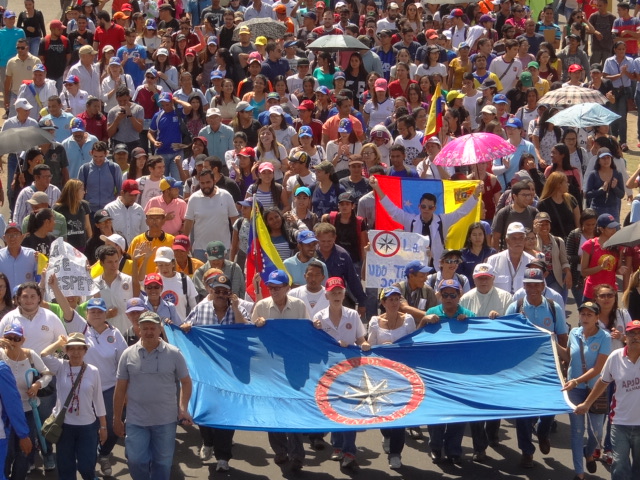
x=9, y=14
x=261, y=40
x=119, y=148
x=135, y=304
x=76, y=339
x=151, y=71
x=533, y=275
x=244, y=107
x=604, y=152
x=216, y=74
x=72, y=79
x=182, y=243
x=138, y=152
x=593, y=306
x=526, y=79
x=14, y=328
x=345, y=197
x=489, y=109
x=120, y=16
x=325, y=166
x=500, y=98
x=149, y=316
x=213, y=112
x=305, y=131
x=543, y=217
x=431, y=34
x=77, y=125
x=453, y=94
x=575, y=68
x=273, y=96
x=115, y=238
x=215, y=250
x=515, y=227
x=306, y=105
x=299, y=157
x=632, y=325
x=487, y=18
x=97, y=303
x=39, y=68
x=381, y=85
x=164, y=255
x=219, y=280
x=450, y=252
x=522, y=175
x=596, y=67
x=311, y=15
x=153, y=278
x=488, y=83
x=280, y=8
x=12, y=226
x=101, y=216
x=435, y=140
x=306, y=236
x=484, y=270
x=457, y=12
x=339, y=75
x=56, y=24
x=87, y=50
x=276, y=110
x=345, y=126
x=333, y=283
x=266, y=166
x=320, y=5
x=514, y=122
x=244, y=29
x=165, y=97
x=247, y=152
x=355, y=159
x=169, y=182
x=23, y=103
x=151, y=24
x=416, y=266
x=449, y=283
x=278, y=277
x=212, y=40
x=115, y=61
x=387, y=292
x=156, y=212
x=606, y=220
x=37, y=198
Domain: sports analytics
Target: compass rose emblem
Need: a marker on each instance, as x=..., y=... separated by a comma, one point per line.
x=386, y=244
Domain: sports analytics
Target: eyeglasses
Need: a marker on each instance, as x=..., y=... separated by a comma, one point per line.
x=221, y=291
x=526, y=195
x=13, y=339
x=21, y=48
x=449, y=295
x=452, y=261
x=606, y=295
x=427, y=207
x=153, y=287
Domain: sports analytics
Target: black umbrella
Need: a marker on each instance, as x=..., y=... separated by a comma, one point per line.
x=18, y=139
x=628, y=236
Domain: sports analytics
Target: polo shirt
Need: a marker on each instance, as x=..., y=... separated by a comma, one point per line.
x=508, y=277
x=104, y=349
x=8, y=39
x=63, y=122
x=633, y=25
x=90, y=80
x=293, y=309
x=271, y=69
x=210, y=216
x=541, y=315
x=166, y=126
x=626, y=400
x=40, y=332
x=177, y=206
x=114, y=36
x=313, y=301
x=152, y=390
x=116, y=296
x=348, y=330
x=78, y=155
x=164, y=240
x=598, y=344
x=439, y=311
x=220, y=142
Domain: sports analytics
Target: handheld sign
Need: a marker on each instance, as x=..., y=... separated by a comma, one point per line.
x=69, y=265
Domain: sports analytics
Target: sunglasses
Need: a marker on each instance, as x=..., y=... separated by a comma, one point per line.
x=452, y=261
x=221, y=291
x=449, y=295
x=606, y=295
x=13, y=339
x=21, y=48
x=427, y=207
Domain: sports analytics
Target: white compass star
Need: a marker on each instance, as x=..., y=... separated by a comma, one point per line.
x=371, y=395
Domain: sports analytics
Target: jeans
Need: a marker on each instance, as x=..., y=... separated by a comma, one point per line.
x=170, y=167
x=34, y=45
x=598, y=55
x=577, y=290
x=112, y=438
x=287, y=443
x=553, y=284
x=447, y=437
x=396, y=440
x=345, y=441
x=220, y=439
x=626, y=443
x=636, y=99
x=593, y=428
x=484, y=432
x=3, y=453
x=17, y=463
x=524, y=430
x=149, y=451
x=372, y=303
x=619, y=126
x=76, y=452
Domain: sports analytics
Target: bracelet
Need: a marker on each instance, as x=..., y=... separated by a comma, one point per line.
x=103, y=428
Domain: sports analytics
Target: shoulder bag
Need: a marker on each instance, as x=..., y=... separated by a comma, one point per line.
x=52, y=426
x=601, y=405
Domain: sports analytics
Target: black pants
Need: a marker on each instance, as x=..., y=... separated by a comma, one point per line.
x=220, y=439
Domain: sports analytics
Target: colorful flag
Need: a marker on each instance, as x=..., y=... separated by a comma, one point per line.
x=436, y=111
x=450, y=195
x=262, y=256
x=288, y=376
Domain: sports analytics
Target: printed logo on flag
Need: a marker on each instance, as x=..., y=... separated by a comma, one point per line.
x=462, y=194
x=368, y=390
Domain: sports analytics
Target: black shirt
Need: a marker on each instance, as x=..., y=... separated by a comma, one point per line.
x=55, y=57
x=41, y=245
x=74, y=45
x=251, y=132
x=347, y=237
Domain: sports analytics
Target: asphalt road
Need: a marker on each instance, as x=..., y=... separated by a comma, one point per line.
x=253, y=458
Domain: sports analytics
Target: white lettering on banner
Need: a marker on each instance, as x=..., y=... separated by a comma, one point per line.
x=389, y=253
x=70, y=268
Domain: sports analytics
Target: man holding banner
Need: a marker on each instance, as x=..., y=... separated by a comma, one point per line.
x=424, y=222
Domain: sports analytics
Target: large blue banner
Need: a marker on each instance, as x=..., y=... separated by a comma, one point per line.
x=289, y=376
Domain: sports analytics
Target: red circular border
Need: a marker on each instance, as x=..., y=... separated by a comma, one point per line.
x=385, y=232
x=324, y=385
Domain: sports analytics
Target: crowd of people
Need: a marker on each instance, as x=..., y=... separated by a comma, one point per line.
x=166, y=124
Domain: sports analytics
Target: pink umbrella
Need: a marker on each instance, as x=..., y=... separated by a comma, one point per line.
x=473, y=148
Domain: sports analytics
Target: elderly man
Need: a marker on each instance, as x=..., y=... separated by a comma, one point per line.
x=18, y=263
x=37, y=202
x=21, y=119
x=88, y=71
x=509, y=265
x=36, y=91
x=169, y=200
x=219, y=136
x=216, y=253
x=546, y=314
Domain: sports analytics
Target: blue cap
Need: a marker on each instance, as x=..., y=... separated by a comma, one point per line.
x=216, y=74
x=151, y=24
x=387, y=292
x=278, y=277
x=339, y=74
x=416, y=266
x=463, y=45
x=345, y=126
x=165, y=97
x=212, y=40
x=292, y=43
x=324, y=90
x=305, y=131
x=514, y=122
x=500, y=98
x=151, y=71
x=307, y=236
x=310, y=15
x=14, y=328
x=606, y=220
x=304, y=190
x=98, y=303
x=114, y=61
x=449, y=283
x=39, y=68
x=533, y=275
x=77, y=125
x=9, y=14
x=247, y=202
x=135, y=304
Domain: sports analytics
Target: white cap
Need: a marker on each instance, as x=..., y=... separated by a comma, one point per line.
x=515, y=227
x=393, y=6
x=23, y=103
x=115, y=238
x=276, y=109
x=164, y=255
x=484, y=270
x=162, y=51
x=340, y=5
x=212, y=112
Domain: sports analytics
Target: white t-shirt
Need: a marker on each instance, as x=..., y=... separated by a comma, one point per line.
x=116, y=296
x=378, y=115
x=413, y=147
x=210, y=216
x=173, y=292
x=507, y=78
x=626, y=400
x=150, y=188
x=508, y=277
x=484, y=303
x=349, y=329
x=315, y=302
x=379, y=335
x=423, y=70
x=39, y=333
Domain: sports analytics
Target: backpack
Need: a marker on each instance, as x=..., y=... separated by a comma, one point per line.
x=431, y=280
x=112, y=169
x=183, y=280
x=47, y=42
x=550, y=303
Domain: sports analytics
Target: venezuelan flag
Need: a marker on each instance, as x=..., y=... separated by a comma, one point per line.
x=450, y=194
x=436, y=111
x=262, y=257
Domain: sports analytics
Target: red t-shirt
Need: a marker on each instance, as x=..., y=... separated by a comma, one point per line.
x=598, y=256
x=114, y=37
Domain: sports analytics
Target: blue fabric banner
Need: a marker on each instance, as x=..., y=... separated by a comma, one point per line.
x=289, y=376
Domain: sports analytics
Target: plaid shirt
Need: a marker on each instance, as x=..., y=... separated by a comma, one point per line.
x=205, y=314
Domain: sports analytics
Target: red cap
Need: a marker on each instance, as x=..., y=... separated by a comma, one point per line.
x=632, y=325
x=307, y=105
x=575, y=68
x=321, y=5
x=181, y=242
x=130, y=186
x=56, y=24
x=457, y=12
x=202, y=139
x=126, y=7
x=190, y=51
x=247, y=152
x=431, y=34
x=334, y=282
x=153, y=278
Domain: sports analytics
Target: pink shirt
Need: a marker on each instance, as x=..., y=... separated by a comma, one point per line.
x=178, y=207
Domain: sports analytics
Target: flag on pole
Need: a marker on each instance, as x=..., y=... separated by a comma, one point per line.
x=262, y=257
x=436, y=111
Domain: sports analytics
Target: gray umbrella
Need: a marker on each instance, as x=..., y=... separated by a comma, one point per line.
x=18, y=139
x=337, y=43
x=628, y=236
x=261, y=27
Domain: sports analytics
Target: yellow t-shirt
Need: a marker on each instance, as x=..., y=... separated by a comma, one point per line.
x=165, y=240
x=195, y=265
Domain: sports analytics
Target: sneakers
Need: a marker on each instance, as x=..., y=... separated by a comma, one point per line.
x=206, y=453
x=436, y=456
x=479, y=456
x=223, y=465
x=337, y=455
x=49, y=461
x=394, y=462
x=105, y=465
x=349, y=462
x=415, y=433
x=317, y=444
x=386, y=445
x=607, y=457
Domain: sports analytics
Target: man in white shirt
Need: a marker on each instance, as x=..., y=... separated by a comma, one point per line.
x=507, y=67
x=208, y=214
x=313, y=293
x=87, y=71
x=389, y=22
x=129, y=219
x=510, y=264
x=115, y=288
x=485, y=300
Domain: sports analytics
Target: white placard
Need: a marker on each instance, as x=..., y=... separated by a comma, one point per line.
x=70, y=267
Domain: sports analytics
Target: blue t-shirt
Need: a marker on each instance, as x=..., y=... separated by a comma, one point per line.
x=598, y=344
x=541, y=315
x=439, y=311
x=167, y=128
x=325, y=202
x=8, y=39
x=130, y=66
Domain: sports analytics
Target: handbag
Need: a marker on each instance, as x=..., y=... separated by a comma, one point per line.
x=52, y=426
x=45, y=391
x=601, y=404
